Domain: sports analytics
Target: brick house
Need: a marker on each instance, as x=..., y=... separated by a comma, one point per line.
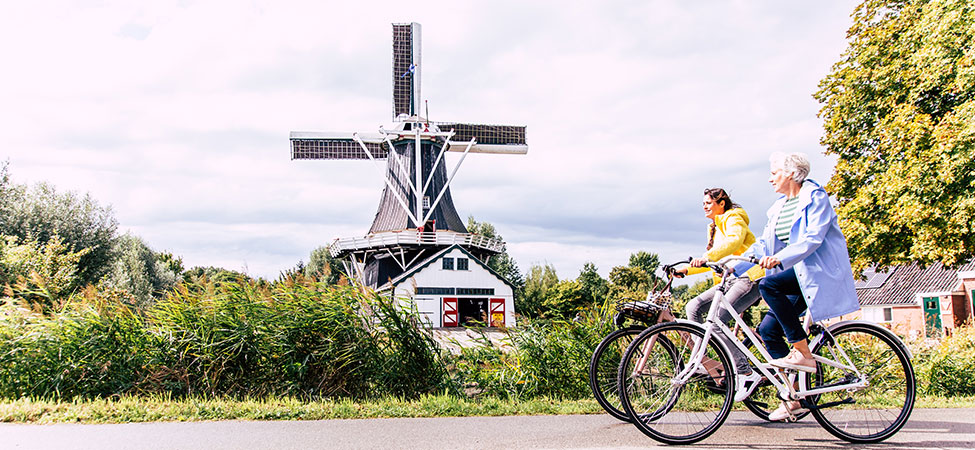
x=918, y=302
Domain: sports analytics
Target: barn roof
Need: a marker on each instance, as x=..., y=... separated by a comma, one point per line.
x=899, y=284
x=422, y=265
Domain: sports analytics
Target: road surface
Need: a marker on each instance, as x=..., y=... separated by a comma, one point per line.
x=927, y=429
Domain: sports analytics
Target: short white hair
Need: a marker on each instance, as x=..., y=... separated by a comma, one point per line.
x=795, y=164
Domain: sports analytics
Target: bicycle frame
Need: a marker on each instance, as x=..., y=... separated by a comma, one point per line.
x=782, y=380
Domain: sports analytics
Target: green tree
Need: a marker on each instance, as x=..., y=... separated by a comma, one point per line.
x=594, y=287
x=141, y=272
x=40, y=212
x=322, y=266
x=538, y=283
x=633, y=281
x=41, y=275
x=502, y=263
x=564, y=300
x=899, y=113
x=215, y=275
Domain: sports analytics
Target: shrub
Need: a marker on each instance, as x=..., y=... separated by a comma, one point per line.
x=293, y=338
x=949, y=369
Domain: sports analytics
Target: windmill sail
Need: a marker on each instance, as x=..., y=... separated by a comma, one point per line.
x=485, y=134
x=406, y=69
x=310, y=145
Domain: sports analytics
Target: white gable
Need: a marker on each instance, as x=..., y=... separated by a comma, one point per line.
x=436, y=287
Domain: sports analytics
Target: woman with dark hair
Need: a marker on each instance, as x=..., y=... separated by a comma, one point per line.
x=728, y=234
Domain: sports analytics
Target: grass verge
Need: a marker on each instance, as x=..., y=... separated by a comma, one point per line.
x=162, y=409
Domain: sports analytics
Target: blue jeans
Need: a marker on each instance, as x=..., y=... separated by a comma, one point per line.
x=784, y=298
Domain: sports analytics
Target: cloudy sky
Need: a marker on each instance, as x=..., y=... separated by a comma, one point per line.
x=177, y=114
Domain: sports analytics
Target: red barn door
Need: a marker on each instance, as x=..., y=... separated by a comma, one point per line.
x=450, y=312
x=497, y=312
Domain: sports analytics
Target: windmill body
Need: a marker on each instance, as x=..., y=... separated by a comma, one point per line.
x=416, y=224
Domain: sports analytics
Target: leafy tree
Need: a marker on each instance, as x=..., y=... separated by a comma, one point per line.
x=501, y=263
x=538, y=283
x=564, y=300
x=594, y=287
x=636, y=279
x=40, y=212
x=215, y=275
x=41, y=275
x=322, y=266
x=141, y=272
x=899, y=113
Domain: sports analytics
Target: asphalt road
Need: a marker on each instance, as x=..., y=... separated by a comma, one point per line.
x=927, y=428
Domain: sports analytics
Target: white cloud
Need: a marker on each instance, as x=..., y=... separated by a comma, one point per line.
x=177, y=113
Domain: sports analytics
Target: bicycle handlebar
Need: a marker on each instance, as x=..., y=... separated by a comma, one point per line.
x=669, y=269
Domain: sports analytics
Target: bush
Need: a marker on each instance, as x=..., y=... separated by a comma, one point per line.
x=948, y=370
x=39, y=275
x=293, y=338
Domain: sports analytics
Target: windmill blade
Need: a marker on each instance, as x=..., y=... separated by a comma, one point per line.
x=506, y=139
x=310, y=145
x=406, y=69
x=485, y=134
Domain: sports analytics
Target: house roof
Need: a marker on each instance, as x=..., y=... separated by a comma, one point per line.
x=422, y=265
x=902, y=283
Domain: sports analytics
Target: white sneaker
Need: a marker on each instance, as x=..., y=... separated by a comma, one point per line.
x=746, y=384
x=787, y=410
x=795, y=361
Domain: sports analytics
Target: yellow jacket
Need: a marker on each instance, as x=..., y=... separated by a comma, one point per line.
x=731, y=236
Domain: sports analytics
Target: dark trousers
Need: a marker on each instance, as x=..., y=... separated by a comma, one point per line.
x=784, y=298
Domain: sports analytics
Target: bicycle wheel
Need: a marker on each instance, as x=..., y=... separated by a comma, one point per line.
x=670, y=410
x=604, y=367
x=880, y=409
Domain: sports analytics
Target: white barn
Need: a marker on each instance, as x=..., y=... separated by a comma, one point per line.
x=453, y=289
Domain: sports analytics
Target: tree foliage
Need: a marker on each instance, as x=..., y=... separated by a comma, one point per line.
x=633, y=281
x=140, y=271
x=40, y=212
x=899, y=112
x=501, y=263
x=594, y=286
x=322, y=266
x=40, y=275
x=540, y=280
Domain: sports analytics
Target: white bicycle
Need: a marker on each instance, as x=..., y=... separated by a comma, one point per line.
x=862, y=391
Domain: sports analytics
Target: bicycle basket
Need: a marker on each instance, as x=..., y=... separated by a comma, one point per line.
x=645, y=310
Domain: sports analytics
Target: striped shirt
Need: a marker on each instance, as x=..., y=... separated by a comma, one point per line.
x=783, y=225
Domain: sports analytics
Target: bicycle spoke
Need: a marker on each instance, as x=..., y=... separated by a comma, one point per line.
x=672, y=406
x=880, y=408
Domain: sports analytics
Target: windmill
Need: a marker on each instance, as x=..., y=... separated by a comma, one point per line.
x=416, y=217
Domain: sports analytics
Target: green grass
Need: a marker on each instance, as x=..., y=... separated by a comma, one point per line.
x=163, y=409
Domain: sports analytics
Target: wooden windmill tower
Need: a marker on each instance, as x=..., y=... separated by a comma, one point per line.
x=416, y=218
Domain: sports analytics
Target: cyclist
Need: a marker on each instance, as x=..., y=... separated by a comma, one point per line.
x=807, y=263
x=728, y=234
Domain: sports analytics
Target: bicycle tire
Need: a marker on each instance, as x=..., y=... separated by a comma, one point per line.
x=879, y=410
x=604, y=367
x=670, y=412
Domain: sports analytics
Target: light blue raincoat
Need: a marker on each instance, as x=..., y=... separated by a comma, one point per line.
x=817, y=251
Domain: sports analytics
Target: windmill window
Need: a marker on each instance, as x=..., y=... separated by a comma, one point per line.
x=888, y=314
x=426, y=201
x=462, y=264
x=448, y=264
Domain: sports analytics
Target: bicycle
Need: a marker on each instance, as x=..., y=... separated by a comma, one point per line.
x=606, y=358
x=605, y=361
x=862, y=390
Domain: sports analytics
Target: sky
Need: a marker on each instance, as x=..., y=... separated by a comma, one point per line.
x=177, y=115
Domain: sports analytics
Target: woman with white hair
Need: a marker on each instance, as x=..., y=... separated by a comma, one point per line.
x=807, y=264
